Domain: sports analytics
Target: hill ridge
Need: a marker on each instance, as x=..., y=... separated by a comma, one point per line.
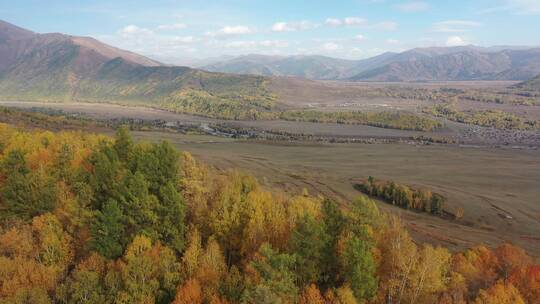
x=418, y=64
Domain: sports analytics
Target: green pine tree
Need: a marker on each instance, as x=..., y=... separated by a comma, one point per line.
x=359, y=268
x=309, y=241
x=123, y=143
x=108, y=231
x=171, y=213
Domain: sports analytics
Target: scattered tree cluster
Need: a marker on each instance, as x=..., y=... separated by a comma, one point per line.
x=89, y=219
x=403, y=196
x=489, y=118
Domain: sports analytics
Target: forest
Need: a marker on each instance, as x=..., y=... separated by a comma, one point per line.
x=86, y=218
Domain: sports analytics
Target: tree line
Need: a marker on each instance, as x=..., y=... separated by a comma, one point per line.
x=387, y=119
x=403, y=196
x=86, y=218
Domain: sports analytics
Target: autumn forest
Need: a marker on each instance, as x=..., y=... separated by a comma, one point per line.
x=87, y=218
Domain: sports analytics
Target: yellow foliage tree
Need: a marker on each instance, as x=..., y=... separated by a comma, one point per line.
x=311, y=295
x=189, y=293
x=500, y=293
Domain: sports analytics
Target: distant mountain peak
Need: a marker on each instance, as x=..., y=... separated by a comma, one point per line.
x=12, y=33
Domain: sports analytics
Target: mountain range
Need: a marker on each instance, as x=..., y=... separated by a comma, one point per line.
x=60, y=67
x=421, y=64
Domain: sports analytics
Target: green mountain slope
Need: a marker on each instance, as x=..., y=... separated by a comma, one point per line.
x=56, y=67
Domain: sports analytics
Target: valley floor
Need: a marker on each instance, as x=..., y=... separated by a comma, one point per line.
x=462, y=133
x=496, y=186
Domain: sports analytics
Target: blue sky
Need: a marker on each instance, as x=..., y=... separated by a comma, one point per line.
x=175, y=30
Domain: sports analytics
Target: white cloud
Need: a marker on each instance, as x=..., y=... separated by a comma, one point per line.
x=454, y=26
x=456, y=41
x=359, y=37
x=348, y=21
x=354, y=21
x=293, y=26
x=358, y=21
x=281, y=27
x=392, y=41
x=235, y=30
x=184, y=39
x=331, y=46
x=231, y=31
x=520, y=7
x=257, y=44
x=362, y=22
x=333, y=22
x=412, y=7
x=130, y=29
x=133, y=29
x=525, y=6
x=274, y=43
x=174, y=26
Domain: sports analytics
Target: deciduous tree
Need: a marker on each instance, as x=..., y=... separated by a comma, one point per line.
x=499, y=293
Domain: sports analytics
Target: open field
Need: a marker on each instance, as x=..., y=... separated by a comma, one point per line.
x=497, y=188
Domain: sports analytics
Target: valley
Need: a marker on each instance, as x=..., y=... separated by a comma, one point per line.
x=317, y=101
x=259, y=152
x=494, y=183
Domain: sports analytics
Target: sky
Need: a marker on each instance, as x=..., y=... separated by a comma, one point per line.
x=179, y=31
